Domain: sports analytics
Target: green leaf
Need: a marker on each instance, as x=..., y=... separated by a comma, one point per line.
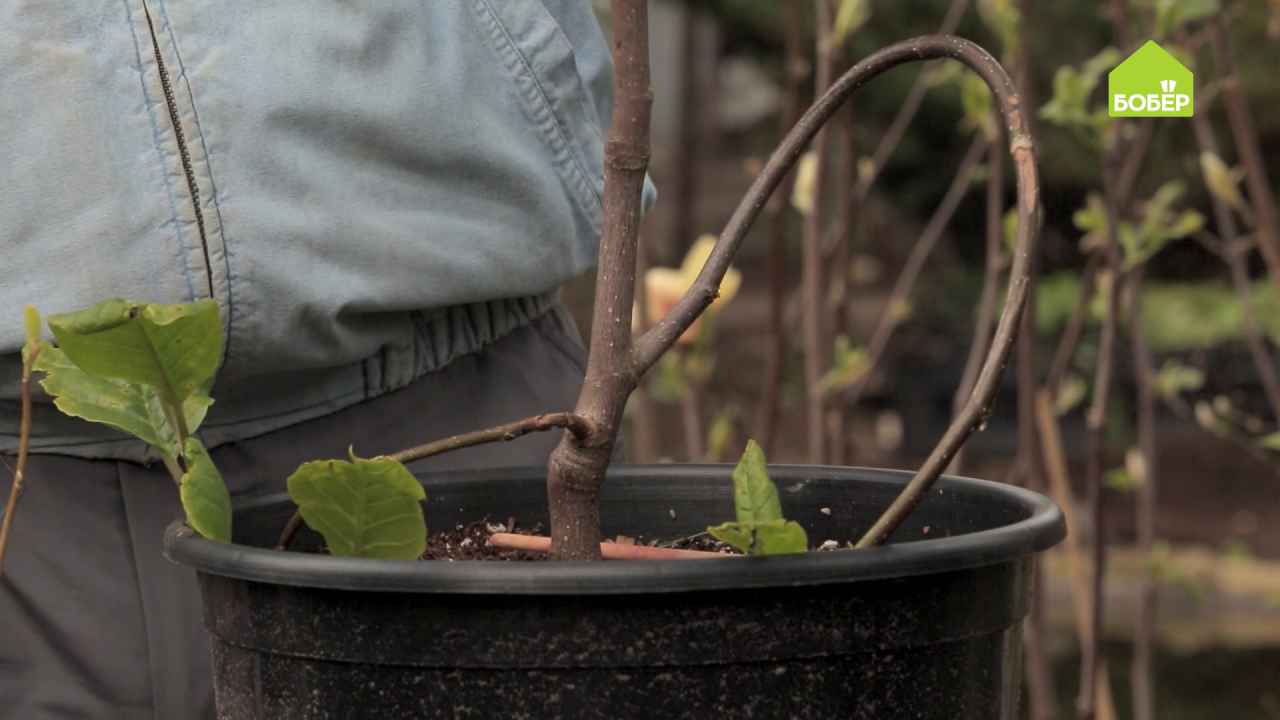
x=776, y=537
x=780, y=537
x=849, y=364
x=1072, y=89
x=172, y=348
x=721, y=433
x=735, y=534
x=368, y=508
x=755, y=497
x=1221, y=180
x=204, y=494
x=975, y=101
x=134, y=409
x=1175, y=378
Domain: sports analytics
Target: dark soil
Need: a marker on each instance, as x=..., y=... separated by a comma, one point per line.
x=470, y=542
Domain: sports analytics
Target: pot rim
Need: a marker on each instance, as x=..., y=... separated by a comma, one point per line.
x=1042, y=528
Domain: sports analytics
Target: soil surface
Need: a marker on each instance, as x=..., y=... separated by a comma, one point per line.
x=470, y=542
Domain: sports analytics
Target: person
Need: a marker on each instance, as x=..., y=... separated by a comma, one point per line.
x=383, y=199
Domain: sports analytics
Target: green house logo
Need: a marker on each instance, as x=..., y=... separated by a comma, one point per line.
x=1151, y=83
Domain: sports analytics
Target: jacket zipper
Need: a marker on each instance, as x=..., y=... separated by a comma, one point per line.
x=183, y=152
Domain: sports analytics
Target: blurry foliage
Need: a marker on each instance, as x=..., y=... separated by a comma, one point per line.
x=1175, y=315
x=1072, y=105
x=1161, y=224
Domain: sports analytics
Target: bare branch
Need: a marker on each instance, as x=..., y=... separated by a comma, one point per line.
x=579, y=426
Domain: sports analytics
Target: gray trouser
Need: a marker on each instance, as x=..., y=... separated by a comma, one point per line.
x=95, y=623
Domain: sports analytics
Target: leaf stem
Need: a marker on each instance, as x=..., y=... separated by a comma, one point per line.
x=24, y=444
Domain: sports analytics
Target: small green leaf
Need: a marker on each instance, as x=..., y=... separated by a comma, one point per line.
x=849, y=364
x=776, y=537
x=755, y=497
x=368, y=508
x=1270, y=442
x=204, y=494
x=172, y=348
x=1221, y=180
x=720, y=434
x=134, y=409
x=975, y=101
x=1072, y=90
x=735, y=534
x=780, y=537
x=1175, y=378
x=1070, y=393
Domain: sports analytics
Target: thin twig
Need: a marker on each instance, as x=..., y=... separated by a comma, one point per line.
x=817, y=349
x=891, y=317
x=906, y=112
x=1093, y=654
x=695, y=434
x=984, y=315
x=1237, y=266
x=577, y=425
x=1145, y=506
x=1074, y=329
x=1059, y=489
x=24, y=445
x=776, y=219
x=1245, y=136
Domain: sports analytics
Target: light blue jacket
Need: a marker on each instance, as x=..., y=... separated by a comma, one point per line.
x=368, y=189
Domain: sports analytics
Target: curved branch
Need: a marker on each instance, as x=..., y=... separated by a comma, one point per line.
x=649, y=347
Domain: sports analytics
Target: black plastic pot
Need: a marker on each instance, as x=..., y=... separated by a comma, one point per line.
x=926, y=627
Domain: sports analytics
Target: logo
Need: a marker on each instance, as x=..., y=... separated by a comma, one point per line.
x=1150, y=83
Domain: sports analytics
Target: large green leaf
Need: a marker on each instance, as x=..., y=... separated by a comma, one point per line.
x=755, y=497
x=172, y=348
x=363, y=508
x=135, y=409
x=204, y=495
